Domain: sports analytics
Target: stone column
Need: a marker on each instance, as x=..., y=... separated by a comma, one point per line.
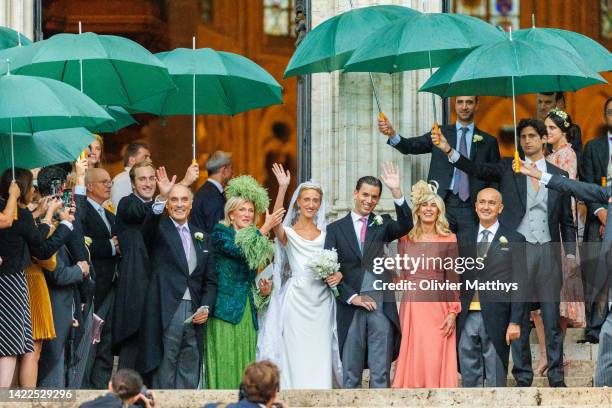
x=345, y=140
x=18, y=15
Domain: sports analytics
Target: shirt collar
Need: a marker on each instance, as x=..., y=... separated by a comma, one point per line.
x=540, y=164
x=177, y=225
x=493, y=229
x=470, y=127
x=356, y=217
x=609, y=136
x=216, y=184
x=141, y=199
x=95, y=205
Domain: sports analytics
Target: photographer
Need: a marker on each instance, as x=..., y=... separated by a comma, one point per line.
x=125, y=390
x=259, y=387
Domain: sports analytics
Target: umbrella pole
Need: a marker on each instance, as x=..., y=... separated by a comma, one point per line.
x=81, y=61
x=193, y=118
x=15, y=215
x=516, y=154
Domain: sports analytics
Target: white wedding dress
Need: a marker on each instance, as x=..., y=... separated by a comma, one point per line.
x=308, y=319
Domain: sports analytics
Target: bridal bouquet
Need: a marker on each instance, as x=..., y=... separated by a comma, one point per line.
x=323, y=264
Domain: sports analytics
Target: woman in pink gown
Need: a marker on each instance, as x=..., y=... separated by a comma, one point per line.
x=428, y=354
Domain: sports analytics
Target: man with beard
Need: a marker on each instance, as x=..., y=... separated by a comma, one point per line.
x=457, y=189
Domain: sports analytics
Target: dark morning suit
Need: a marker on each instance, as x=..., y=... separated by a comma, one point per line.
x=208, y=205
x=603, y=276
x=543, y=259
x=505, y=263
x=460, y=214
x=104, y=269
x=133, y=278
x=165, y=308
x=594, y=166
x=373, y=335
x=62, y=283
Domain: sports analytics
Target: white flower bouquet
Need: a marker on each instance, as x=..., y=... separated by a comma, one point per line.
x=323, y=264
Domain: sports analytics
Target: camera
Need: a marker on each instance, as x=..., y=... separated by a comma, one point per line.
x=147, y=394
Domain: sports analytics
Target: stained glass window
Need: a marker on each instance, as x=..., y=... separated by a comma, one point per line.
x=278, y=17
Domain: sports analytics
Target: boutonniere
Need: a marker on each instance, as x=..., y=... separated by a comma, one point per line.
x=503, y=241
x=88, y=241
x=199, y=236
x=477, y=138
x=378, y=220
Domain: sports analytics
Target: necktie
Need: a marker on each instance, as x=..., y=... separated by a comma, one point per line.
x=483, y=245
x=534, y=182
x=461, y=185
x=185, y=239
x=103, y=215
x=362, y=234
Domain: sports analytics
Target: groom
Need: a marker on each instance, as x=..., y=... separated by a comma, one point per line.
x=368, y=323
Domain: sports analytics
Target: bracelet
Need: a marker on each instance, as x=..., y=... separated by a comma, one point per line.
x=449, y=151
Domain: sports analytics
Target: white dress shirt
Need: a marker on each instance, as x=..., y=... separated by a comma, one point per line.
x=216, y=184
x=492, y=229
x=101, y=210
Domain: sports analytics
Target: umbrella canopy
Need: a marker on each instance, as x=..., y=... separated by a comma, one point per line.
x=31, y=104
x=598, y=57
x=122, y=119
x=115, y=70
x=422, y=41
x=11, y=38
x=330, y=44
x=225, y=84
x=44, y=148
x=511, y=67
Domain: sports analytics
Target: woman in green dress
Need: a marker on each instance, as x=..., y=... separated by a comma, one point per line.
x=240, y=249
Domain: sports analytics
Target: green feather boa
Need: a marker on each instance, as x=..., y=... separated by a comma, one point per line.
x=257, y=249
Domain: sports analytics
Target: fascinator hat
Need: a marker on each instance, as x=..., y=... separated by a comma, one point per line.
x=423, y=192
x=247, y=188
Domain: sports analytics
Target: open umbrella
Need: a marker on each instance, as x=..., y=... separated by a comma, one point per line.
x=44, y=148
x=32, y=104
x=211, y=82
x=109, y=69
x=426, y=40
x=511, y=67
x=121, y=117
x=11, y=38
x=329, y=45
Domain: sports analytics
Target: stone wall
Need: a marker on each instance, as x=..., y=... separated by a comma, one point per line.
x=18, y=15
x=345, y=141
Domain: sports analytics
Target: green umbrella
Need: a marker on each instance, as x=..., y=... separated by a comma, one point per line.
x=330, y=44
x=122, y=119
x=598, y=57
x=511, y=67
x=44, y=148
x=32, y=104
x=211, y=82
x=11, y=38
x=111, y=70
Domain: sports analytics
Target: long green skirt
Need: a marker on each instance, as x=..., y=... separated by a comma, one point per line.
x=229, y=349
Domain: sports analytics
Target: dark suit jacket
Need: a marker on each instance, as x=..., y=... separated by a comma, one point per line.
x=353, y=265
x=504, y=263
x=208, y=206
x=513, y=187
x=24, y=239
x=104, y=263
x=440, y=169
x=170, y=278
x=593, y=193
x=594, y=166
x=134, y=268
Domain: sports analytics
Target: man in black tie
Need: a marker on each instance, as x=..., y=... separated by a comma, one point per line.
x=181, y=294
x=97, y=225
x=596, y=166
x=457, y=189
x=209, y=201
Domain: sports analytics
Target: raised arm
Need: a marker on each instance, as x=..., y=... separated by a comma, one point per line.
x=8, y=214
x=284, y=179
x=396, y=229
x=414, y=145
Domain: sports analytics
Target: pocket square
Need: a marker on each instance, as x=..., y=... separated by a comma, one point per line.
x=505, y=249
x=205, y=251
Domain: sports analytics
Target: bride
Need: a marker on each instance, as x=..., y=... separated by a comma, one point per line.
x=298, y=331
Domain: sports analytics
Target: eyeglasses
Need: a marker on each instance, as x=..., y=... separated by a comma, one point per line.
x=105, y=182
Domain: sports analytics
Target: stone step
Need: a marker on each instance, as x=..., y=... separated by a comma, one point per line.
x=577, y=368
x=586, y=381
x=405, y=398
x=573, y=351
x=572, y=335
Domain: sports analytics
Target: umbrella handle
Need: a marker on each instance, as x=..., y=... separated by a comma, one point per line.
x=194, y=161
x=517, y=166
x=604, y=181
x=436, y=130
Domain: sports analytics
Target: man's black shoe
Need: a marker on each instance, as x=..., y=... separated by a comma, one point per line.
x=589, y=338
x=558, y=385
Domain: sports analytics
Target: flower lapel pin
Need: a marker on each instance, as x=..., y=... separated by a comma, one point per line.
x=378, y=220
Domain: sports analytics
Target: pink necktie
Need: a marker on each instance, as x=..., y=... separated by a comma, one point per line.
x=364, y=228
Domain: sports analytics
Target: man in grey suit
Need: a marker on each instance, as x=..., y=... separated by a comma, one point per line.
x=368, y=323
x=591, y=193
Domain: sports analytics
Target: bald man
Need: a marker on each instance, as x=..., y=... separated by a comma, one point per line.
x=490, y=319
x=98, y=223
x=183, y=289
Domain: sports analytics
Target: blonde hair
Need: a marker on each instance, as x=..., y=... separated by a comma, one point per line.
x=423, y=193
x=232, y=205
x=304, y=187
